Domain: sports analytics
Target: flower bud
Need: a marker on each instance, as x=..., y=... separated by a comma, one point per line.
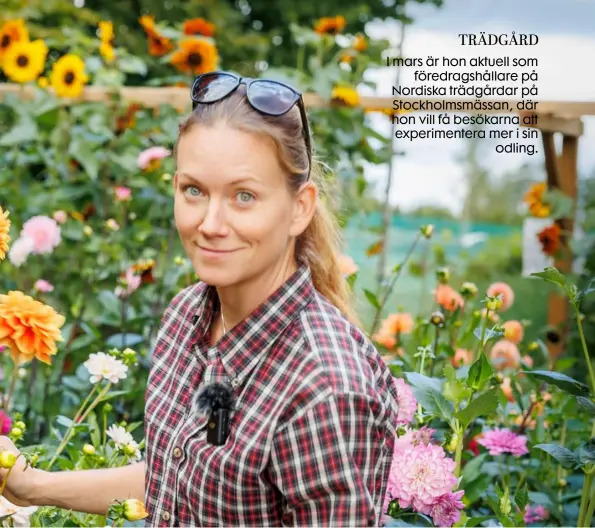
x=134, y=510
x=16, y=433
x=112, y=224
x=101, y=460
x=442, y=274
x=166, y=177
x=87, y=230
x=427, y=230
x=533, y=345
x=88, y=449
x=178, y=260
x=7, y=459
x=452, y=445
x=562, y=482
x=132, y=216
x=494, y=304
x=22, y=373
x=469, y=290
x=108, y=407
x=437, y=319
x=505, y=506
x=130, y=449
x=21, y=425
x=34, y=459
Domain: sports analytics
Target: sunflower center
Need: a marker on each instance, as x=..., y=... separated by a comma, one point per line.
x=194, y=59
x=22, y=61
x=5, y=42
x=69, y=78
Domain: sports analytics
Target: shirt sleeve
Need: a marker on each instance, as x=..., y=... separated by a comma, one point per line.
x=331, y=463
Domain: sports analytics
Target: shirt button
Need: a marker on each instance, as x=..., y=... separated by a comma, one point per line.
x=166, y=516
x=177, y=452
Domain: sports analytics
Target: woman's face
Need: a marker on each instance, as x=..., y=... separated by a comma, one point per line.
x=233, y=208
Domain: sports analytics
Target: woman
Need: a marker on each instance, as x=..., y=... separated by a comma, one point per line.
x=312, y=406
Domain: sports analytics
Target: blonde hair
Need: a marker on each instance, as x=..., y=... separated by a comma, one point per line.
x=320, y=244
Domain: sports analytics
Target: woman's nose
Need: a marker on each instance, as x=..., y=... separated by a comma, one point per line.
x=213, y=223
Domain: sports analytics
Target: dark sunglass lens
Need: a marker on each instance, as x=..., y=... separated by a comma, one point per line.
x=213, y=87
x=271, y=97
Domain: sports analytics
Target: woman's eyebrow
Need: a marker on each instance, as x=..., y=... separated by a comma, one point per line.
x=247, y=179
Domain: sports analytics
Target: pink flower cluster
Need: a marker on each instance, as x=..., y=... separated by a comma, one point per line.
x=129, y=284
x=535, y=514
x=5, y=423
x=421, y=477
x=501, y=441
x=40, y=235
x=406, y=400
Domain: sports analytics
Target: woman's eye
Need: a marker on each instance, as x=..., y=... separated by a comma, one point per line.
x=192, y=191
x=244, y=197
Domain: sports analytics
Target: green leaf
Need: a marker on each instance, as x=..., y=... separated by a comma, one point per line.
x=476, y=521
x=454, y=389
x=471, y=471
x=562, y=381
x=551, y=274
x=489, y=334
x=484, y=404
x=372, y=299
x=124, y=340
x=25, y=130
x=480, y=373
x=433, y=402
x=588, y=289
x=586, y=404
x=132, y=64
x=419, y=380
x=84, y=154
x=564, y=456
x=521, y=496
x=586, y=452
x=94, y=430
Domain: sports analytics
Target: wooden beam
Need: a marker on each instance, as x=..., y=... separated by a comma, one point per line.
x=551, y=162
x=567, y=182
x=178, y=97
x=568, y=126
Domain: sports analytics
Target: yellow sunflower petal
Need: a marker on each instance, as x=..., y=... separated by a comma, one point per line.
x=25, y=61
x=196, y=56
x=68, y=77
x=12, y=31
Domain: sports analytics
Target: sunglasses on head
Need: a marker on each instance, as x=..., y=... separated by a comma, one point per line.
x=267, y=96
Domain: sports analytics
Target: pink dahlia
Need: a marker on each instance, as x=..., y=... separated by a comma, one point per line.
x=500, y=441
x=419, y=475
x=150, y=158
x=406, y=400
x=43, y=286
x=446, y=510
x=44, y=232
x=129, y=284
x=5, y=423
x=122, y=193
x=60, y=216
x=535, y=514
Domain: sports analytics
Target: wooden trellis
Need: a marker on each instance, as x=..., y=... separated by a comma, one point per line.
x=553, y=117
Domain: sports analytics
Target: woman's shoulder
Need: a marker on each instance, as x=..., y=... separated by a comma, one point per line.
x=184, y=301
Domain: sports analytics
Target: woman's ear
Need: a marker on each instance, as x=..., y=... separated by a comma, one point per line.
x=305, y=203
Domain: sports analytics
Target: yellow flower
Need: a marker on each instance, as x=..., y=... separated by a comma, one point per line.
x=359, y=43
x=346, y=96
x=24, y=61
x=106, y=32
x=68, y=76
x=11, y=32
x=330, y=25
x=106, y=50
x=29, y=328
x=196, y=56
x=43, y=82
x=158, y=44
x=4, y=229
x=134, y=510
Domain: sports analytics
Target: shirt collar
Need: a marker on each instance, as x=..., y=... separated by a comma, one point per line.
x=244, y=346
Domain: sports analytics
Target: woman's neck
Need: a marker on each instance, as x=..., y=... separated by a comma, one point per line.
x=240, y=300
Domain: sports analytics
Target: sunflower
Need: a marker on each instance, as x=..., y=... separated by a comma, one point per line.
x=29, y=328
x=158, y=44
x=550, y=239
x=196, y=56
x=345, y=96
x=330, y=25
x=4, y=236
x=11, y=32
x=199, y=26
x=68, y=76
x=24, y=61
x=106, y=50
x=106, y=32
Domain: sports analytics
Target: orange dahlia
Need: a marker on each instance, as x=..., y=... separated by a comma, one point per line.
x=534, y=198
x=196, y=56
x=199, y=26
x=330, y=25
x=158, y=44
x=549, y=238
x=4, y=229
x=29, y=328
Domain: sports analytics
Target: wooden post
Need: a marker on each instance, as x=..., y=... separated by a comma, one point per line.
x=563, y=175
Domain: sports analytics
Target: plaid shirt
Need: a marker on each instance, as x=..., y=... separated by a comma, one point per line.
x=313, y=426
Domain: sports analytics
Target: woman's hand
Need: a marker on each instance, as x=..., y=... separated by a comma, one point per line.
x=20, y=484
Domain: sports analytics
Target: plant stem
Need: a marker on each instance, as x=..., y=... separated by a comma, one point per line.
x=13, y=380
x=459, y=450
x=585, y=349
x=585, y=499
x=590, y=510
x=481, y=347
